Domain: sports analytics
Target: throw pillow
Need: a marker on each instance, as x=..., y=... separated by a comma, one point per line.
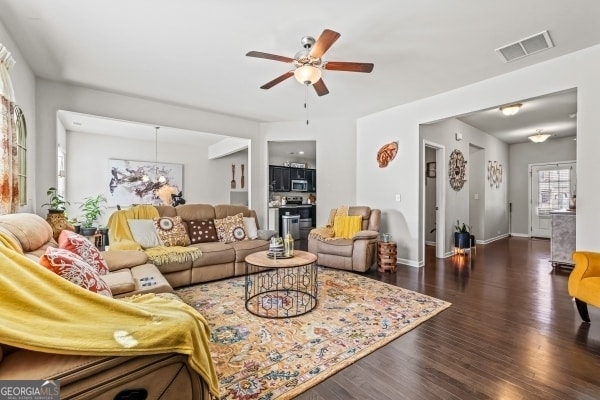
x=202, y=231
x=231, y=229
x=74, y=269
x=250, y=228
x=171, y=231
x=84, y=248
x=346, y=226
x=144, y=232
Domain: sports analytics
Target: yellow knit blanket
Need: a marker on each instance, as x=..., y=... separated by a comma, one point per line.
x=68, y=319
x=120, y=237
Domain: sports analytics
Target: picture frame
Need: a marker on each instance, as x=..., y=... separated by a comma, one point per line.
x=431, y=169
x=135, y=182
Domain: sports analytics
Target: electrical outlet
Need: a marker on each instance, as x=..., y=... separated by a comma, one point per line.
x=397, y=197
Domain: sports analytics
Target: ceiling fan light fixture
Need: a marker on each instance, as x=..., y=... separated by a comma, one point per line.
x=511, y=109
x=539, y=137
x=307, y=74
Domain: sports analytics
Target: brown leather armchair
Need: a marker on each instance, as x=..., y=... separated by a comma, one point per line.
x=356, y=254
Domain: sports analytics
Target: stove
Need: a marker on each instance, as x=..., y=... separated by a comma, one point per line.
x=294, y=200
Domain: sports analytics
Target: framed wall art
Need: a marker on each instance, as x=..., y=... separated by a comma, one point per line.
x=457, y=169
x=139, y=182
x=431, y=169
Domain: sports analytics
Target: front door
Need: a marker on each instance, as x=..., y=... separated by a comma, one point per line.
x=551, y=187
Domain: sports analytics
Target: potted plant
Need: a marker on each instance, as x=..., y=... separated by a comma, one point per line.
x=56, y=212
x=93, y=208
x=56, y=202
x=462, y=235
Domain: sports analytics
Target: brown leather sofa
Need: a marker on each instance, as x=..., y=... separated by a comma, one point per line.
x=356, y=254
x=160, y=376
x=218, y=260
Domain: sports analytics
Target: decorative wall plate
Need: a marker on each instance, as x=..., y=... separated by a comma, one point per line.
x=386, y=153
x=457, y=169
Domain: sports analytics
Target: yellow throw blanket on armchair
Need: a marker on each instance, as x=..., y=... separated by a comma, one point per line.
x=41, y=311
x=122, y=239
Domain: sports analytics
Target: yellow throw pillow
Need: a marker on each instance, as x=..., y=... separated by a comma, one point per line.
x=347, y=226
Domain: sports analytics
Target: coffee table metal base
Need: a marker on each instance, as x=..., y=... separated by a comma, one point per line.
x=281, y=292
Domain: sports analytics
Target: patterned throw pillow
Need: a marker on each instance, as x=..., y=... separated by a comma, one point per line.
x=231, y=229
x=171, y=231
x=202, y=231
x=74, y=269
x=84, y=248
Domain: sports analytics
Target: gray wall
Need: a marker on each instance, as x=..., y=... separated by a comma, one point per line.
x=492, y=215
x=521, y=156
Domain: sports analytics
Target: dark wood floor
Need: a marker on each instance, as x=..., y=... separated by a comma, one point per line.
x=512, y=332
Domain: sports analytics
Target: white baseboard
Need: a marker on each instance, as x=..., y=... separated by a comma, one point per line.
x=520, y=235
x=429, y=243
x=492, y=239
x=410, y=263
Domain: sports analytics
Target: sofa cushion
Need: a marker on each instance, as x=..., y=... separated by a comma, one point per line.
x=230, y=229
x=171, y=231
x=31, y=230
x=119, y=282
x=202, y=231
x=84, y=248
x=247, y=247
x=144, y=232
x=250, y=227
x=214, y=253
x=190, y=212
x=74, y=269
x=119, y=259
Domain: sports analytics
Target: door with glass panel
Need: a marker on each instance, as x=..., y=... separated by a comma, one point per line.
x=551, y=187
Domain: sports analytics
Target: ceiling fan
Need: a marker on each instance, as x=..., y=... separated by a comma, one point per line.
x=309, y=64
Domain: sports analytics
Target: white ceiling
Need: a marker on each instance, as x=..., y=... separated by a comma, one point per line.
x=193, y=52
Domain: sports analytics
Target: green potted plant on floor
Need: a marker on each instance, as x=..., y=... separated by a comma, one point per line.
x=92, y=208
x=462, y=235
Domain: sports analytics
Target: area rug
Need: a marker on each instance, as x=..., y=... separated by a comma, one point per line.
x=265, y=359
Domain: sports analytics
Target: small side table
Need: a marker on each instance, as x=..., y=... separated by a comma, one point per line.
x=386, y=256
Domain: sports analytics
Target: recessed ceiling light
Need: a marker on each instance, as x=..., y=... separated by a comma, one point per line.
x=300, y=152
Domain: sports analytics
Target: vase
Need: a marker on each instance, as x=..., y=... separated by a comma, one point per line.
x=58, y=222
x=462, y=240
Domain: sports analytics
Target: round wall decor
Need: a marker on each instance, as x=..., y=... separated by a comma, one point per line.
x=457, y=169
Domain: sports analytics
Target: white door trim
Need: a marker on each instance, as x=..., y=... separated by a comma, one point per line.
x=440, y=193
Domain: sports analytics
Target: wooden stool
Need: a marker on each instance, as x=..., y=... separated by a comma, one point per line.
x=386, y=256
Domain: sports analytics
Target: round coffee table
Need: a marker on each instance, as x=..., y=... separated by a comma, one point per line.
x=281, y=287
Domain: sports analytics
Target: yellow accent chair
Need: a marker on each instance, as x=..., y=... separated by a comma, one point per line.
x=584, y=281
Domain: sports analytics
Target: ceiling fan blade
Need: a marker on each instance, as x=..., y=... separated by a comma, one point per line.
x=259, y=54
x=320, y=88
x=348, y=66
x=277, y=80
x=323, y=43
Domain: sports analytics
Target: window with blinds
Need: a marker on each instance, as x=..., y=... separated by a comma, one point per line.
x=554, y=190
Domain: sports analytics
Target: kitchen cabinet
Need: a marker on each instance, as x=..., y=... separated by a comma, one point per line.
x=297, y=173
x=279, y=178
x=311, y=179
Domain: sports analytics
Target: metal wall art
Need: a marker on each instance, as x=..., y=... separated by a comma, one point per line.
x=494, y=173
x=457, y=169
x=386, y=153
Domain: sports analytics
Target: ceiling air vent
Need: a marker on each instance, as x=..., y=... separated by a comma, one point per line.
x=525, y=47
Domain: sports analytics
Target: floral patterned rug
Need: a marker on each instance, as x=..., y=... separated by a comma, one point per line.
x=265, y=359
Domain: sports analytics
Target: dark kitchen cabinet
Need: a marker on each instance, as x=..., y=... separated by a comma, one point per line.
x=298, y=173
x=279, y=178
x=311, y=179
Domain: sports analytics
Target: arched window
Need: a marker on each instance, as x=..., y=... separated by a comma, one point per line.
x=21, y=154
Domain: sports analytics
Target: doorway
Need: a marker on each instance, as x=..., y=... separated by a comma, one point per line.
x=434, y=199
x=551, y=186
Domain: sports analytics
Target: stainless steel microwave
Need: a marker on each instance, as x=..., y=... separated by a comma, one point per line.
x=299, y=185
